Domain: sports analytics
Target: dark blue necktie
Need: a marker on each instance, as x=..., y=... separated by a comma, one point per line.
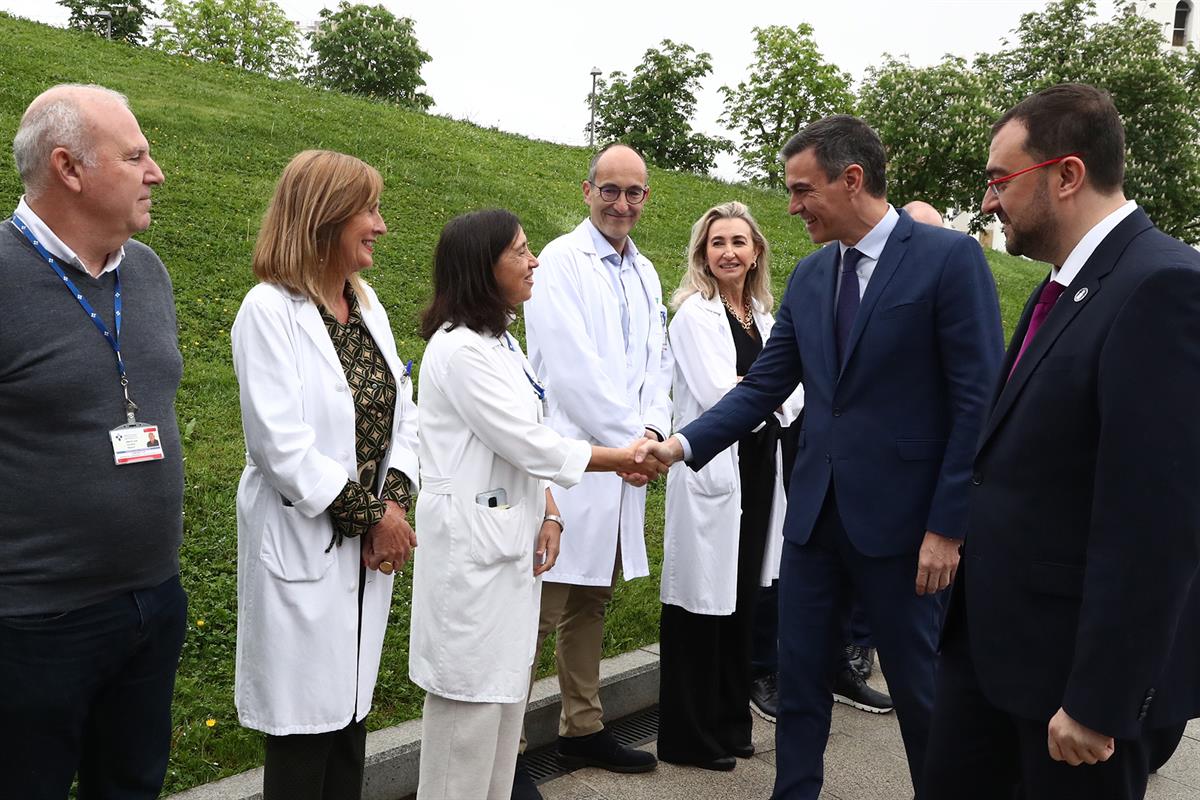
x=847, y=305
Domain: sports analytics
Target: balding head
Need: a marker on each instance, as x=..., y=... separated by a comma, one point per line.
x=63, y=116
x=921, y=211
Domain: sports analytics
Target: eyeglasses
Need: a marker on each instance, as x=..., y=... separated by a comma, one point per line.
x=997, y=184
x=634, y=195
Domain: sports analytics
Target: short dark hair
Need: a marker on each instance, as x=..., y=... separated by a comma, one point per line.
x=591, y=176
x=464, y=284
x=1074, y=118
x=838, y=142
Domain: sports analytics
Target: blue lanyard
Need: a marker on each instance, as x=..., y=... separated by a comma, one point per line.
x=538, y=389
x=114, y=337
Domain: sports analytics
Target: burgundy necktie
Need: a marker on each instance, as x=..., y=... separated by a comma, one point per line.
x=1046, y=300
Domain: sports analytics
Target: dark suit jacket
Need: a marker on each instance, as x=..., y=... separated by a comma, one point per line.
x=895, y=427
x=1080, y=570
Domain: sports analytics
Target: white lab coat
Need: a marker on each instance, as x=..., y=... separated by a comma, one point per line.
x=704, y=508
x=475, y=598
x=573, y=325
x=300, y=666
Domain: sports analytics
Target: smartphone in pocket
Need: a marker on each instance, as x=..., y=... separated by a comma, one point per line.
x=493, y=498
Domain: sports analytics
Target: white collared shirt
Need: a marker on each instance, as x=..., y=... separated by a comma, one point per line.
x=871, y=246
x=56, y=246
x=631, y=297
x=1088, y=244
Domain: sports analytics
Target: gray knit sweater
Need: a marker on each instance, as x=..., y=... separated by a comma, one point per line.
x=76, y=529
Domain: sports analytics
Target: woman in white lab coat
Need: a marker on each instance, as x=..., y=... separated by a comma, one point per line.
x=489, y=525
x=724, y=523
x=331, y=466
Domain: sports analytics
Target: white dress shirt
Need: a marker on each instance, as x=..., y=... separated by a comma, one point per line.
x=57, y=247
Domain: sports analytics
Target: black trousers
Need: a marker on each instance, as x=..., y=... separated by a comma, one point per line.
x=982, y=752
x=316, y=766
x=705, y=659
x=88, y=691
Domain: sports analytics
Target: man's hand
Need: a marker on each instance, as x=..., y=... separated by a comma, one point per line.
x=639, y=472
x=391, y=539
x=1076, y=744
x=937, y=563
x=637, y=478
x=666, y=453
x=547, y=546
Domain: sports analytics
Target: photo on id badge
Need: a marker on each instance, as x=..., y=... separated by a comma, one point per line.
x=135, y=443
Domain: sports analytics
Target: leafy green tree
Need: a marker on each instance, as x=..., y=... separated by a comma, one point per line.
x=935, y=123
x=368, y=50
x=790, y=85
x=652, y=109
x=127, y=17
x=255, y=35
x=1154, y=90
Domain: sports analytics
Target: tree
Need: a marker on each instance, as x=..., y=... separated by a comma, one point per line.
x=936, y=121
x=252, y=34
x=126, y=17
x=652, y=110
x=1152, y=87
x=936, y=125
x=368, y=50
x=790, y=85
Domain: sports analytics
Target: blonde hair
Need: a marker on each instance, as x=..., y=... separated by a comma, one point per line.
x=318, y=192
x=699, y=278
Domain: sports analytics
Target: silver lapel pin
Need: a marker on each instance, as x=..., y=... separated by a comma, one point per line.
x=1082, y=293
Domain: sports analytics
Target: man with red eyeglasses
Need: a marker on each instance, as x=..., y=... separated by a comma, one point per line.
x=1071, y=655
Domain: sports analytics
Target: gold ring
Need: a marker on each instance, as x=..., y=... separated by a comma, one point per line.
x=387, y=567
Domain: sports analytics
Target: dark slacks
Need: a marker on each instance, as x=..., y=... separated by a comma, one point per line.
x=979, y=751
x=88, y=692
x=705, y=659
x=817, y=583
x=704, y=692
x=765, y=659
x=316, y=766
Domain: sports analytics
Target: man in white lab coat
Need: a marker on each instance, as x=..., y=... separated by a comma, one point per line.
x=596, y=329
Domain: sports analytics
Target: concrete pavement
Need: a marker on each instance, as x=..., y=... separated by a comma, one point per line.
x=864, y=761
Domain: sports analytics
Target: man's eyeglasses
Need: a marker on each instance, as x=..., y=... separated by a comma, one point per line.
x=634, y=195
x=996, y=185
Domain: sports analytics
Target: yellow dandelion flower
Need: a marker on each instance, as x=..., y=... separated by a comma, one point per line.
x=210, y=722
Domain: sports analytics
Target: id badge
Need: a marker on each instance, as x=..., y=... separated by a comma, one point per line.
x=134, y=443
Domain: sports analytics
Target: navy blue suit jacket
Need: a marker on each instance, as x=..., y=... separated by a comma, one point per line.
x=1081, y=574
x=895, y=427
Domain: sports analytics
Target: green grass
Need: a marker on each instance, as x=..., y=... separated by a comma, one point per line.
x=222, y=136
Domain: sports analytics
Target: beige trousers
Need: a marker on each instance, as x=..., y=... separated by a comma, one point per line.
x=576, y=614
x=468, y=750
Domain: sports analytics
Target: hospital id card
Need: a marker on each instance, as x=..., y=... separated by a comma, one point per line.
x=134, y=443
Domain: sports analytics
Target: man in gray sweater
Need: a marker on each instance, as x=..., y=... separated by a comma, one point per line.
x=92, y=614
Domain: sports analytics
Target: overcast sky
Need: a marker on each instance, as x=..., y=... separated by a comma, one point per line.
x=523, y=66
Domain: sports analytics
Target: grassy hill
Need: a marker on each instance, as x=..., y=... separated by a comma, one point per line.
x=221, y=137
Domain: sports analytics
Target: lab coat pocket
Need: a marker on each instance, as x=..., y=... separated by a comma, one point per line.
x=496, y=535
x=294, y=546
x=717, y=477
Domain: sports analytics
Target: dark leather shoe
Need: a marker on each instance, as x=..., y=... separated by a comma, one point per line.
x=722, y=764
x=744, y=751
x=851, y=689
x=601, y=749
x=523, y=786
x=861, y=659
x=764, y=696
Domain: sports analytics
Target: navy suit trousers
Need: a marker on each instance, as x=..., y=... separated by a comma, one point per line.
x=817, y=583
